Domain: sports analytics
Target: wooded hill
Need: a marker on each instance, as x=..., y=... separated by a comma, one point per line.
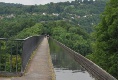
x=69, y=22
x=86, y=13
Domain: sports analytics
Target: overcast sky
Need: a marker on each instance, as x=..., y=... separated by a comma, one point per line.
x=32, y=2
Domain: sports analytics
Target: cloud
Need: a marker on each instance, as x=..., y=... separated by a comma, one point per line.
x=32, y=2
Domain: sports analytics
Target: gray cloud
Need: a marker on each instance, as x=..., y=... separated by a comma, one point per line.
x=32, y=2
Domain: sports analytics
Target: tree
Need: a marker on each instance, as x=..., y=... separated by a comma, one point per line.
x=105, y=52
x=85, y=1
x=79, y=0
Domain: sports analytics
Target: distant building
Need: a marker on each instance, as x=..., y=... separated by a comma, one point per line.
x=34, y=14
x=55, y=14
x=72, y=17
x=1, y=17
x=10, y=16
x=78, y=16
x=85, y=16
x=44, y=13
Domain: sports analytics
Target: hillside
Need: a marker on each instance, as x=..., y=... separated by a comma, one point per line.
x=85, y=14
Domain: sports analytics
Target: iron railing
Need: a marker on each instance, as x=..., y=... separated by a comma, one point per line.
x=15, y=54
x=91, y=67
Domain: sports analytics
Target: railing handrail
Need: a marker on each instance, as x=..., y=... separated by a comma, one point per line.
x=3, y=38
x=31, y=37
x=18, y=39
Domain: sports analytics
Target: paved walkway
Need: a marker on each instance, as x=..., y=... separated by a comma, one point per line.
x=40, y=67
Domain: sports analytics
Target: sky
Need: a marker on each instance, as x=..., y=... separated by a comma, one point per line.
x=33, y=2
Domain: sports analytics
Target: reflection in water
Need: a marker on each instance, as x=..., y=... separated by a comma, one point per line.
x=65, y=67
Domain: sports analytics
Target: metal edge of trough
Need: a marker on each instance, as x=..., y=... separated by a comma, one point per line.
x=89, y=67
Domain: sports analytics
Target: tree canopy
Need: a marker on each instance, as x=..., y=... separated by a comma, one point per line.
x=105, y=48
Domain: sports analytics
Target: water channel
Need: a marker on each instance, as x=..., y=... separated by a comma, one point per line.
x=65, y=67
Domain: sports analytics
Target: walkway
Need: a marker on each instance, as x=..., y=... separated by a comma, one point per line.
x=40, y=67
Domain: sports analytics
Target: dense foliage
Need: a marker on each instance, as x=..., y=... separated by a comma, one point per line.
x=105, y=48
x=65, y=32
x=85, y=14
x=71, y=35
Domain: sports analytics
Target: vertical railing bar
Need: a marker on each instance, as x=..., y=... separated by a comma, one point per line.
x=22, y=58
x=21, y=52
x=0, y=55
x=16, y=55
x=11, y=58
x=6, y=56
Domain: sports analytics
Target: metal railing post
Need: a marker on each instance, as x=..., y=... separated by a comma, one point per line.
x=16, y=56
x=22, y=59
x=0, y=56
x=11, y=59
x=6, y=55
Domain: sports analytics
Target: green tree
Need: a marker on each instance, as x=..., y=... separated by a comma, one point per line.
x=32, y=31
x=105, y=48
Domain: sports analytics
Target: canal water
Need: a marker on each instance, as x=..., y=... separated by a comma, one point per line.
x=65, y=67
